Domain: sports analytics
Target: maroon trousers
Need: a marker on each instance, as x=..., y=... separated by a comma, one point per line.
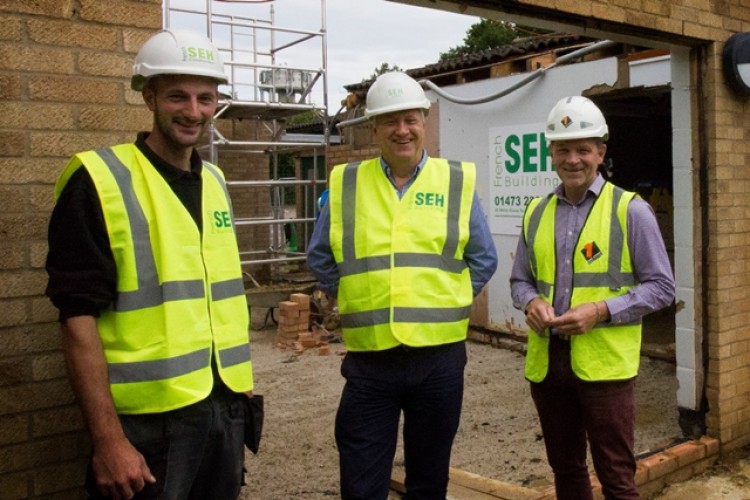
x=570, y=411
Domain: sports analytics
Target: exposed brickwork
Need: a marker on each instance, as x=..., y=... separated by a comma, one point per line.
x=143, y=13
x=73, y=90
x=64, y=33
x=64, y=69
x=64, y=74
x=673, y=465
x=47, y=8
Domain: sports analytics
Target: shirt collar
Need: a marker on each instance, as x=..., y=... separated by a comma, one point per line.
x=594, y=189
x=387, y=169
x=169, y=171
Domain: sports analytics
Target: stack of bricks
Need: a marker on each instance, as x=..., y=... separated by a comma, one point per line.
x=294, y=325
x=294, y=318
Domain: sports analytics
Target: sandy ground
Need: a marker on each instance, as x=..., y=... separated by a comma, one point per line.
x=728, y=480
x=499, y=436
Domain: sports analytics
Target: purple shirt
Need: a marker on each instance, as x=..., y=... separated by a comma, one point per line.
x=652, y=269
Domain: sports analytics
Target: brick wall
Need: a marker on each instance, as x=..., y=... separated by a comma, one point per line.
x=64, y=75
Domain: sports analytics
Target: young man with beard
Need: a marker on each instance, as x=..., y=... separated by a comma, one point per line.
x=144, y=267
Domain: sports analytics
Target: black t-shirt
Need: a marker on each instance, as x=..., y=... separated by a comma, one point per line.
x=80, y=264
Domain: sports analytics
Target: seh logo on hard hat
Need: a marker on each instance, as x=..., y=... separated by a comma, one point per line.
x=397, y=92
x=198, y=54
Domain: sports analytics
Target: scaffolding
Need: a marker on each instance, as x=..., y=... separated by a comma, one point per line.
x=276, y=75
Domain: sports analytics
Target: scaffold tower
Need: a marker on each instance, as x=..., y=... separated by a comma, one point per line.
x=277, y=81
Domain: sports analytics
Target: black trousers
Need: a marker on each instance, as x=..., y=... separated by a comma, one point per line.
x=426, y=384
x=196, y=452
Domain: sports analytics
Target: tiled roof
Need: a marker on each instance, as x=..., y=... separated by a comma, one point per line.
x=516, y=49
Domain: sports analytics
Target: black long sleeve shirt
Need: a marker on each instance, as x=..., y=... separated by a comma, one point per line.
x=80, y=264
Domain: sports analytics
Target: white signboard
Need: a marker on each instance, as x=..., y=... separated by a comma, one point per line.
x=522, y=170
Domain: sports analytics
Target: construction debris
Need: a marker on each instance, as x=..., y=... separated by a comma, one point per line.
x=295, y=330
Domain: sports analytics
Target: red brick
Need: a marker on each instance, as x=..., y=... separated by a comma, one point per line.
x=641, y=473
x=302, y=299
x=288, y=306
x=659, y=464
x=711, y=444
x=687, y=452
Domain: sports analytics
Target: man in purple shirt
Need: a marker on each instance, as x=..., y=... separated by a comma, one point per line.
x=590, y=263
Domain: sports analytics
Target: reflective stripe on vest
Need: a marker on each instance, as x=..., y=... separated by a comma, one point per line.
x=445, y=262
x=614, y=278
x=608, y=352
x=146, y=296
x=150, y=293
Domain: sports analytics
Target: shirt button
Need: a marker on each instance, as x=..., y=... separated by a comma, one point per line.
x=567, y=290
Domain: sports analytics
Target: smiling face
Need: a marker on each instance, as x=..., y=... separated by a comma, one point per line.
x=400, y=136
x=576, y=162
x=183, y=107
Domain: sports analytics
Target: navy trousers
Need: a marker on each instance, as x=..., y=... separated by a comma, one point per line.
x=570, y=411
x=426, y=384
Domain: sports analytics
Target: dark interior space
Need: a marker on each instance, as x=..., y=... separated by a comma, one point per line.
x=640, y=151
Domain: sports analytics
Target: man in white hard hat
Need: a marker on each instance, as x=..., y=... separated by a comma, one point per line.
x=144, y=267
x=404, y=246
x=590, y=263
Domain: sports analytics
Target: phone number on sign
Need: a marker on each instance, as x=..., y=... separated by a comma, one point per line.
x=512, y=201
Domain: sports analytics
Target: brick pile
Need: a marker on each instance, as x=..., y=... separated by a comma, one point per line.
x=294, y=326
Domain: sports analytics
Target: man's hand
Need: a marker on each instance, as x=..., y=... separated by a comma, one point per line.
x=539, y=315
x=580, y=319
x=120, y=471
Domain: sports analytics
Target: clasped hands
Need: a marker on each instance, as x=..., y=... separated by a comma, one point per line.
x=578, y=320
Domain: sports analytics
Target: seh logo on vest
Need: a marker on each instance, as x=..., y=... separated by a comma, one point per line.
x=429, y=199
x=222, y=220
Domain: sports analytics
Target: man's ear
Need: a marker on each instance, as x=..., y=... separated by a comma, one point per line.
x=149, y=96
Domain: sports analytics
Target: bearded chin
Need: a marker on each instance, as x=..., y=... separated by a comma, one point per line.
x=176, y=140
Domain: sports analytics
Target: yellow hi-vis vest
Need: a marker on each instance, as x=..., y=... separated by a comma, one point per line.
x=180, y=296
x=403, y=279
x=602, y=269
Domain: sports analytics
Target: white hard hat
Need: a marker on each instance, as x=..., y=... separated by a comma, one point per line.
x=395, y=91
x=576, y=117
x=177, y=52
